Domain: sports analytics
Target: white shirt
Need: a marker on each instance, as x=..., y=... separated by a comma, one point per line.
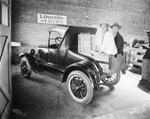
x=108, y=45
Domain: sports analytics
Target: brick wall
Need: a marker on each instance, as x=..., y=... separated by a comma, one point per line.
x=133, y=15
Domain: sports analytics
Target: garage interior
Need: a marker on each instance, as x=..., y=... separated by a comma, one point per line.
x=47, y=98
x=42, y=97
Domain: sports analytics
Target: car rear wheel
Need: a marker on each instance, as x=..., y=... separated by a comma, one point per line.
x=112, y=80
x=25, y=67
x=80, y=87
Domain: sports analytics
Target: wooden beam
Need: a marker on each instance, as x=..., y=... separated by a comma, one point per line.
x=4, y=91
x=7, y=110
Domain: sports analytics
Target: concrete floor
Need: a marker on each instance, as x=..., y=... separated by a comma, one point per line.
x=46, y=98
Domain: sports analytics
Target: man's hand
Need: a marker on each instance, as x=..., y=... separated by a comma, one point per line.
x=96, y=49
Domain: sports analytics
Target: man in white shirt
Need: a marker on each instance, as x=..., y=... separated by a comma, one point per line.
x=108, y=45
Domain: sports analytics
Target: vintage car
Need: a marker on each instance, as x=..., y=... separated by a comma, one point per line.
x=61, y=58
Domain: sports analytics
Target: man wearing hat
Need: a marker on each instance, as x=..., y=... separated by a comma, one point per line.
x=117, y=37
x=107, y=44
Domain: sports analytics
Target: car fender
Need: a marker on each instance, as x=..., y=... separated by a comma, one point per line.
x=27, y=55
x=33, y=62
x=84, y=66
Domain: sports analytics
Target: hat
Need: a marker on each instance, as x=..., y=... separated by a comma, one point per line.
x=116, y=24
x=104, y=24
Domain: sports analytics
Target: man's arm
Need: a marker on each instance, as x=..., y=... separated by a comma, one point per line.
x=119, y=41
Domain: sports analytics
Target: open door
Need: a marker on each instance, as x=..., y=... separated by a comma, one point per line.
x=5, y=52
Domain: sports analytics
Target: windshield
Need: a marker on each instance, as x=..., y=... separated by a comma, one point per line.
x=59, y=29
x=56, y=35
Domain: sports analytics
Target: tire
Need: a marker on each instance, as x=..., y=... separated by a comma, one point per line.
x=80, y=87
x=112, y=80
x=25, y=67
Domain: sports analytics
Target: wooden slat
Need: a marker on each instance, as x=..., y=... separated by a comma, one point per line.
x=137, y=63
x=140, y=57
x=137, y=50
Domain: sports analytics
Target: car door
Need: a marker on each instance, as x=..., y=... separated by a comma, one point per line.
x=54, y=47
x=54, y=56
x=62, y=54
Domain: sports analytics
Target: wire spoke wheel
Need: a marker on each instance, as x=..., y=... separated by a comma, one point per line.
x=25, y=67
x=112, y=80
x=80, y=87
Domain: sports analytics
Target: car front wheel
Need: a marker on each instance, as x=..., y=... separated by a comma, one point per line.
x=80, y=87
x=25, y=67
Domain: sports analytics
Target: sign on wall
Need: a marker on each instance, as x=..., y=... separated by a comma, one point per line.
x=51, y=19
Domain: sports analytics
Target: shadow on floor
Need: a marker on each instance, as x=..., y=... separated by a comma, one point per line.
x=41, y=97
x=136, y=70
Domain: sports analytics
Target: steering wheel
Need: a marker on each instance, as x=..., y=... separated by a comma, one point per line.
x=58, y=41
